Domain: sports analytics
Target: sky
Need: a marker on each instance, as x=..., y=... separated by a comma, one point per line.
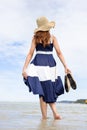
x=17, y=24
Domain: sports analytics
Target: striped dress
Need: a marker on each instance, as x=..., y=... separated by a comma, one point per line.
x=42, y=77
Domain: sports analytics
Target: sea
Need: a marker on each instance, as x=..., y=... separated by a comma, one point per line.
x=27, y=116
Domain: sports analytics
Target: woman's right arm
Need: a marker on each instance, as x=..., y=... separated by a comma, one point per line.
x=60, y=55
x=28, y=58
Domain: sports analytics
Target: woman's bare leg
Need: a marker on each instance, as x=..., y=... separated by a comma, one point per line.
x=43, y=106
x=54, y=110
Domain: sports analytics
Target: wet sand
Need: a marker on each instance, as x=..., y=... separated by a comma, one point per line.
x=27, y=116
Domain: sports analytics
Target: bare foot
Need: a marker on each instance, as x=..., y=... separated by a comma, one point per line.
x=57, y=117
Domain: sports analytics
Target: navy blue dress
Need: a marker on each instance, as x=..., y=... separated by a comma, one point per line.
x=42, y=75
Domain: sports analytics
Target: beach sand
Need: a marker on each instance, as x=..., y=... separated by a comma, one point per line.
x=27, y=116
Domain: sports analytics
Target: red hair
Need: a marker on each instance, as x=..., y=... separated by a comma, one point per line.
x=42, y=37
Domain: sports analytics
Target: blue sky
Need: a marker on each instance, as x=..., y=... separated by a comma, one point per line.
x=17, y=23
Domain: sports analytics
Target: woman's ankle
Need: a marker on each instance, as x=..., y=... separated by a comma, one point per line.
x=44, y=117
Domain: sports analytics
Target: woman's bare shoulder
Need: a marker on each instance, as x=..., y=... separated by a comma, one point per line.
x=53, y=38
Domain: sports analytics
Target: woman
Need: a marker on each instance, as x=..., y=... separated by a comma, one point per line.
x=41, y=76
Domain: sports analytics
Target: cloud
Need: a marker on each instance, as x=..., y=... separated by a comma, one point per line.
x=16, y=21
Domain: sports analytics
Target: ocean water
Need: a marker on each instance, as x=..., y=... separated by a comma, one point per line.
x=27, y=116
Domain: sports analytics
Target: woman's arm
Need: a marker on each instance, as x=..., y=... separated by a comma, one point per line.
x=60, y=55
x=28, y=58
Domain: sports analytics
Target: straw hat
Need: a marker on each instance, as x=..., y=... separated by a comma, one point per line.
x=43, y=24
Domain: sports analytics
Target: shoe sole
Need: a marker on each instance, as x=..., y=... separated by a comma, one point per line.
x=72, y=82
x=67, y=84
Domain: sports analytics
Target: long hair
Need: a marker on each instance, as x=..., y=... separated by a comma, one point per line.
x=42, y=37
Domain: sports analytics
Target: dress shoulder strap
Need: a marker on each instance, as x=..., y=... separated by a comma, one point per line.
x=51, y=39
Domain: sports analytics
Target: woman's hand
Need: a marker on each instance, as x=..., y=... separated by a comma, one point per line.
x=24, y=74
x=67, y=70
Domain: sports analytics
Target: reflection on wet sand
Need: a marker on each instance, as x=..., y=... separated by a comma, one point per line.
x=47, y=125
x=58, y=125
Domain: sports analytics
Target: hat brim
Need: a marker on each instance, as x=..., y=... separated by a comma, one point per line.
x=45, y=27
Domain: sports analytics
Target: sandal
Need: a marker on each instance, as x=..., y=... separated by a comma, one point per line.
x=71, y=80
x=67, y=84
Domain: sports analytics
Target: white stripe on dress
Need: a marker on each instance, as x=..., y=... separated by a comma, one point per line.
x=43, y=52
x=43, y=72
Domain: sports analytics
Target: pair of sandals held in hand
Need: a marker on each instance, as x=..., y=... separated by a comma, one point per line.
x=69, y=82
